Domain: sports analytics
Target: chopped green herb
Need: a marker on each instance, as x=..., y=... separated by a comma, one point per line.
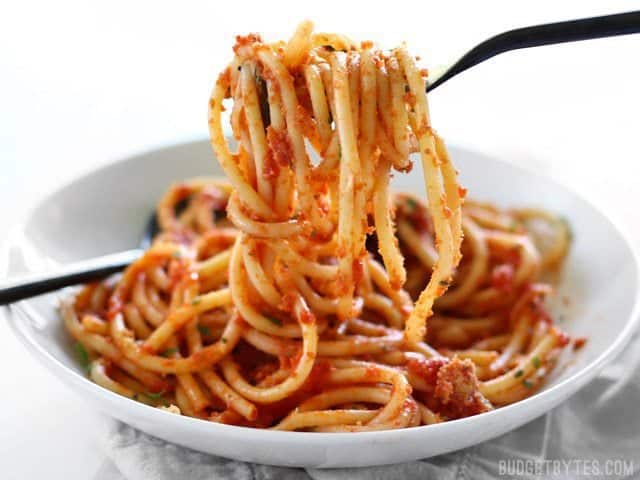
x=223, y=339
x=536, y=362
x=277, y=321
x=156, y=396
x=314, y=232
x=514, y=227
x=204, y=330
x=519, y=373
x=82, y=355
x=196, y=301
x=444, y=283
x=528, y=383
x=176, y=254
x=411, y=204
x=168, y=352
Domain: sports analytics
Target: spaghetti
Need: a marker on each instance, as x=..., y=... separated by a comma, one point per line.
x=296, y=296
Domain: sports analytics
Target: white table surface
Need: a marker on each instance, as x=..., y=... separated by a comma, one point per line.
x=84, y=83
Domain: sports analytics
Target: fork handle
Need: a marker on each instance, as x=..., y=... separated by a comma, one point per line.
x=84, y=271
x=546, y=34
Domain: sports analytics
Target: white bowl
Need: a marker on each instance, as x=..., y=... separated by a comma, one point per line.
x=106, y=210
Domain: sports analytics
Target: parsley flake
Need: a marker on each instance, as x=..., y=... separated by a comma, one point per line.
x=274, y=320
x=168, y=352
x=156, y=396
x=223, y=339
x=82, y=355
x=536, y=362
x=411, y=204
x=196, y=301
x=528, y=383
x=519, y=373
x=204, y=330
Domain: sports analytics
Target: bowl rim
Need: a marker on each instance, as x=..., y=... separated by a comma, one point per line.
x=553, y=394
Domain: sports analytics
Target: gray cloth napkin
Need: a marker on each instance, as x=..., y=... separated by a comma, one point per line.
x=595, y=434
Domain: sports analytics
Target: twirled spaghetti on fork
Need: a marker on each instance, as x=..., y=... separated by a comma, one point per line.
x=296, y=296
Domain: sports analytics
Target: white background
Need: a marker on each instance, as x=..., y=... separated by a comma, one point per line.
x=84, y=82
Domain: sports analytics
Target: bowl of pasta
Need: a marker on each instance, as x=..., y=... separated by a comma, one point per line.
x=303, y=306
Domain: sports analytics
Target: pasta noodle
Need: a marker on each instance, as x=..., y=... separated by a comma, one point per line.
x=296, y=294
